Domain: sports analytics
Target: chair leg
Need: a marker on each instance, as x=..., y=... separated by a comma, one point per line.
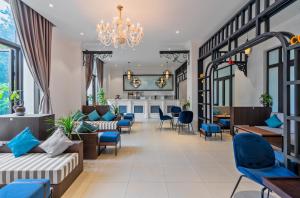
x=221, y=136
x=236, y=185
x=192, y=127
x=263, y=192
x=116, y=149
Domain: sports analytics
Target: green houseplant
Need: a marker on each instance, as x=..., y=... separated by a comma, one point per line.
x=186, y=105
x=66, y=124
x=14, y=97
x=115, y=109
x=266, y=100
x=101, y=97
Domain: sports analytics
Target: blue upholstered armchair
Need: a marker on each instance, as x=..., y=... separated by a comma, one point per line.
x=185, y=119
x=255, y=159
x=163, y=118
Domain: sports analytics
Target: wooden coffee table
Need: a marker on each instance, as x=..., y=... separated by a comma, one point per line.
x=288, y=187
x=273, y=138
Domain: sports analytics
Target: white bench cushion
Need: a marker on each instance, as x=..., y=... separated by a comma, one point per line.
x=36, y=166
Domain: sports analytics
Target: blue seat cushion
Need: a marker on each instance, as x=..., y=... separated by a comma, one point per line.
x=124, y=122
x=258, y=174
x=94, y=116
x=23, y=143
x=225, y=122
x=166, y=117
x=211, y=128
x=26, y=188
x=109, y=136
x=108, y=116
x=273, y=122
x=130, y=114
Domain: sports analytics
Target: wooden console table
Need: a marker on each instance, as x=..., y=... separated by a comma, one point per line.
x=288, y=187
x=273, y=138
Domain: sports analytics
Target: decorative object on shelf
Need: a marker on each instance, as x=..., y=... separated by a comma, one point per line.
x=120, y=32
x=161, y=82
x=178, y=56
x=167, y=74
x=101, y=97
x=135, y=82
x=14, y=97
x=266, y=100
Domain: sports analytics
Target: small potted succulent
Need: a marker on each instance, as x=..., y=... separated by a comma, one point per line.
x=266, y=100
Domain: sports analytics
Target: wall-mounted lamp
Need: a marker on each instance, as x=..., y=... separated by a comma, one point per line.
x=248, y=50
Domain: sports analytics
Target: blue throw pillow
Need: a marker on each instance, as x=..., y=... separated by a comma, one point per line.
x=94, y=116
x=273, y=122
x=109, y=116
x=22, y=143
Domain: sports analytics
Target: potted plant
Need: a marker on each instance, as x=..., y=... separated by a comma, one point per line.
x=14, y=97
x=115, y=109
x=101, y=97
x=186, y=105
x=266, y=100
x=66, y=124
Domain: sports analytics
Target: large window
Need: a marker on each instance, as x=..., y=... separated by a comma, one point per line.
x=223, y=86
x=14, y=75
x=275, y=78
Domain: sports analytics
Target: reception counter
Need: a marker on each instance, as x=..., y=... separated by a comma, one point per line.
x=144, y=109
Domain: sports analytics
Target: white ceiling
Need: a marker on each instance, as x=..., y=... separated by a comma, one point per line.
x=196, y=20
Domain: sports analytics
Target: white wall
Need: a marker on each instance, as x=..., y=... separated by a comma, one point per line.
x=248, y=89
x=115, y=80
x=67, y=82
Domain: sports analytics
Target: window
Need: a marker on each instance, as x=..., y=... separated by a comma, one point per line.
x=275, y=78
x=93, y=88
x=223, y=79
x=13, y=75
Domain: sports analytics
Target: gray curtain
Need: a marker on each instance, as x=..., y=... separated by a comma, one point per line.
x=99, y=67
x=89, y=66
x=35, y=35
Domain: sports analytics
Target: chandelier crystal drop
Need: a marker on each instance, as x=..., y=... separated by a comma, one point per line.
x=120, y=32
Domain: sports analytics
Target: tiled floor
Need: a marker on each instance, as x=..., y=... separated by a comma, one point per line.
x=163, y=164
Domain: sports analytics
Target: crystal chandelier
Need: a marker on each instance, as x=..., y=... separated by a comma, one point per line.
x=120, y=32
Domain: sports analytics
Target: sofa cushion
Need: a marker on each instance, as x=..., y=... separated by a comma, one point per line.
x=211, y=128
x=85, y=127
x=102, y=125
x=56, y=144
x=109, y=136
x=225, y=122
x=22, y=143
x=108, y=116
x=94, y=116
x=273, y=122
x=78, y=116
x=37, y=165
x=280, y=116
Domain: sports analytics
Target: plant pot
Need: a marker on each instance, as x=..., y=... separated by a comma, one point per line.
x=19, y=110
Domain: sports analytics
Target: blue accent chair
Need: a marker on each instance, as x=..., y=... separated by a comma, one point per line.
x=129, y=116
x=175, y=111
x=185, y=118
x=124, y=124
x=27, y=188
x=255, y=159
x=109, y=138
x=163, y=118
x=225, y=123
x=208, y=129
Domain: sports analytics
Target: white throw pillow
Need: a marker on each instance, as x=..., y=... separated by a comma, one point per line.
x=56, y=144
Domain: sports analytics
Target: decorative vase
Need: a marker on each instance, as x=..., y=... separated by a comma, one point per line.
x=19, y=110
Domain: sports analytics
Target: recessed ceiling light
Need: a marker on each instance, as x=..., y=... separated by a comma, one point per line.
x=51, y=5
x=169, y=49
x=81, y=34
x=177, y=32
x=161, y=65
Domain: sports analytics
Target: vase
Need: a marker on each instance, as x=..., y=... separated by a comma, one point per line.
x=19, y=110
